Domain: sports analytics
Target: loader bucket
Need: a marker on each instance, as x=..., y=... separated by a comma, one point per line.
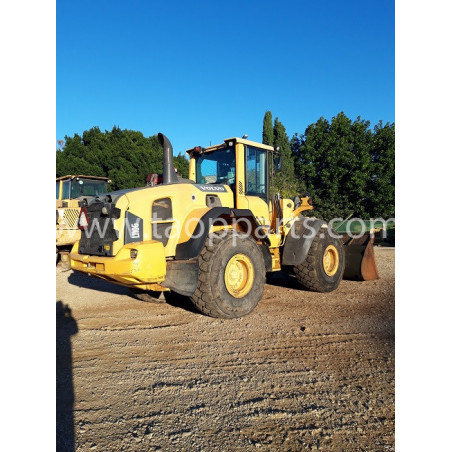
x=360, y=263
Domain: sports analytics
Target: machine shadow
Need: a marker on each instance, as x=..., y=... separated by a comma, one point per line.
x=283, y=279
x=66, y=327
x=180, y=301
x=81, y=280
x=88, y=282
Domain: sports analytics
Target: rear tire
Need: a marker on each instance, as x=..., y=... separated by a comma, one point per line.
x=323, y=267
x=231, y=276
x=149, y=296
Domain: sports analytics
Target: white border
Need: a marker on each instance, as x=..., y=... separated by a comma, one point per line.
x=423, y=167
x=27, y=36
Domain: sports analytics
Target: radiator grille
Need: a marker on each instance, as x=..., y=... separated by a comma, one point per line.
x=97, y=239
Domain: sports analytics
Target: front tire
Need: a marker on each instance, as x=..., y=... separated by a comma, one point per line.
x=231, y=276
x=323, y=269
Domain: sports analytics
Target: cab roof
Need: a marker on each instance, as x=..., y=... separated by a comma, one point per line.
x=235, y=140
x=70, y=177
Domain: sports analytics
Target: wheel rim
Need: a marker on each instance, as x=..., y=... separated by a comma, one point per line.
x=239, y=275
x=330, y=260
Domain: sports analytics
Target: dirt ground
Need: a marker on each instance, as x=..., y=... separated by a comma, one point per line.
x=304, y=371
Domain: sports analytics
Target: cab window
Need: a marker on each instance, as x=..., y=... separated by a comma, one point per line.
x=58, y=189
x=256, y=172
x=87, y=187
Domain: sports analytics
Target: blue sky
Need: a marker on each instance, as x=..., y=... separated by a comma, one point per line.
x=203, y=71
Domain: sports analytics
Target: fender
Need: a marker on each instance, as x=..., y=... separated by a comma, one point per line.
x=299, y=240
x=193, y=247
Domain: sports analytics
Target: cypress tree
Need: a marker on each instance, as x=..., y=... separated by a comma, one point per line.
x=267, y=132
x=285, y=181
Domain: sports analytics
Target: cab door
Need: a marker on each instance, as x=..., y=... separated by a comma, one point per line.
x=256, y=183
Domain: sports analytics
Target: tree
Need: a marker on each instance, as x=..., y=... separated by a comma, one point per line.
x=72, y=159
x=124, y=156
x=267, y=132
x=181, y=163
x=333, y=165
x=284, y=181
x=382, y=182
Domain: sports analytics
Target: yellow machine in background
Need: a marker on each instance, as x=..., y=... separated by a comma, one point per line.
x=71, y=191
x=212, y=237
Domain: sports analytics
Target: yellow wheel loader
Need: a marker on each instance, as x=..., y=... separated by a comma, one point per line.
x=71, y=192
x=213, y=237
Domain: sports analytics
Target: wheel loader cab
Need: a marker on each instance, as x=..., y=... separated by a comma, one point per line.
x=243, y=166
x=72, y=187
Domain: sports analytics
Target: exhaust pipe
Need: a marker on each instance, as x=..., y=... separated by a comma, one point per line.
x=169, y=174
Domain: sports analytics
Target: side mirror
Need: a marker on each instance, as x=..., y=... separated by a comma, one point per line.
x=277, y=162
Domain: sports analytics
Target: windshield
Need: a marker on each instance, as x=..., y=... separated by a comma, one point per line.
x=216, y=167
x=87, y=187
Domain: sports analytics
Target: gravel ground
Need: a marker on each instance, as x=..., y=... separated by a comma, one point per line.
x=304, y=371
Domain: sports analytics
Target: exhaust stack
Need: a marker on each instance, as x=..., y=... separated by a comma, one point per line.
x=169, y=174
